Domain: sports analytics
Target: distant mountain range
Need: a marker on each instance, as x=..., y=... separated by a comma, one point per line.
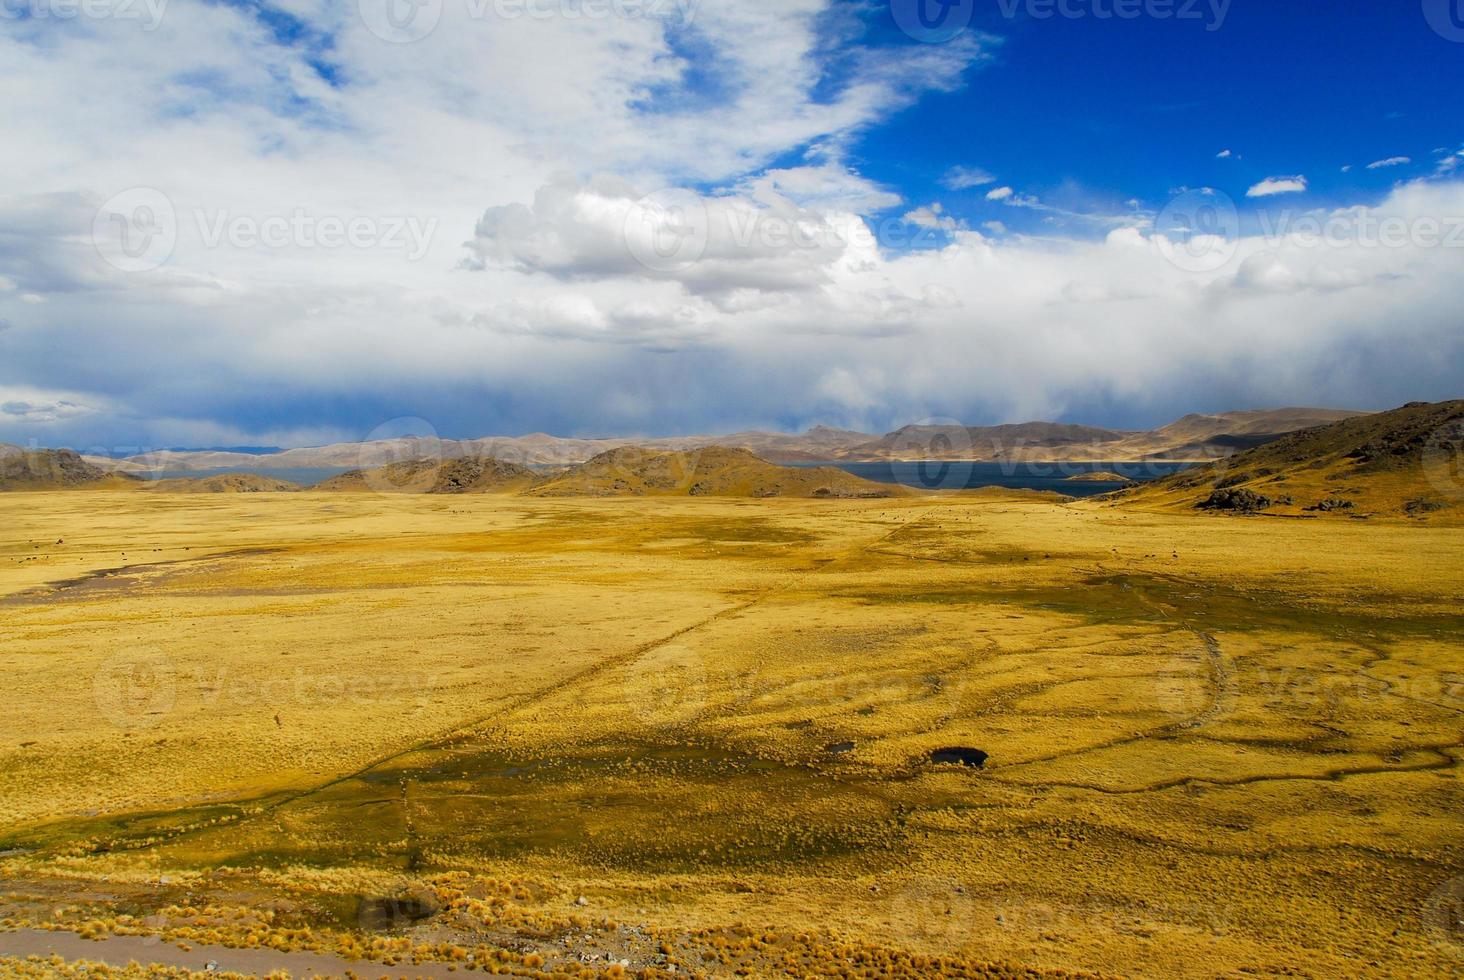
x=712, y=471
x=1192, y=438
x=1406, y=462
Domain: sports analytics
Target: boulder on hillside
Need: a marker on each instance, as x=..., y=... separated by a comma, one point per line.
x=1236, y=499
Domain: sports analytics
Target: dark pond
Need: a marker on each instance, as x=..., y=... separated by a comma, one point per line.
x=957, y=754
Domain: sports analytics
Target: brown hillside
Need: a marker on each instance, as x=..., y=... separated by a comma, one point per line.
x=51, y=469
x=983, y=442
x=712, y=472
x=1405, y=462
x=224, y=483
x=470, y=474
x=1207, y=437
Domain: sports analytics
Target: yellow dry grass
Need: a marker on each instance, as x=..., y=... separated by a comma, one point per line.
x=1214, y=745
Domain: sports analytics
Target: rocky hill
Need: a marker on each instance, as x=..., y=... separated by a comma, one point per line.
x=224, y=483
x=471, y=474
x=714, y=472
x=1018, y=441
x=52, y=469
x=1405, y=462
x=819, y=444
x=1210, y=437
x=1192, y=438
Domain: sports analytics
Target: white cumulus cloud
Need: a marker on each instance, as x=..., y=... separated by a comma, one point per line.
x=1272, y=186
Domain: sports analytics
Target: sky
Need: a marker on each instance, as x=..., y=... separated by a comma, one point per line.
x=293, y=223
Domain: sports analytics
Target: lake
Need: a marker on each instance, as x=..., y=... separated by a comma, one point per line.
x=965, y=475
x=925, y=475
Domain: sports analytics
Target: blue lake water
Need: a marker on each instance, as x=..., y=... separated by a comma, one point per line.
x=960, y=475
x=926, y=475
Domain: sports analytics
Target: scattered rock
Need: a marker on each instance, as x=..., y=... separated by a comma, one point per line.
x=1240, y=500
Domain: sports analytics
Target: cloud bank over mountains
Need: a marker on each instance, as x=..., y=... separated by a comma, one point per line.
x=625, y=224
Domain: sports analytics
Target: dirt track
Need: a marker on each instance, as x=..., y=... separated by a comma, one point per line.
x=120, y=950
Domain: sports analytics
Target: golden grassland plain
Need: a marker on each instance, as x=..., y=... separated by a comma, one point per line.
x=658, y=736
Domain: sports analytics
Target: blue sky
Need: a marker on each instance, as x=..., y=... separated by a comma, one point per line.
x=1089, y=113
x=667, y=216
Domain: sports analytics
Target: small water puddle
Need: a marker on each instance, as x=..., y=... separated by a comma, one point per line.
x=959, y=755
